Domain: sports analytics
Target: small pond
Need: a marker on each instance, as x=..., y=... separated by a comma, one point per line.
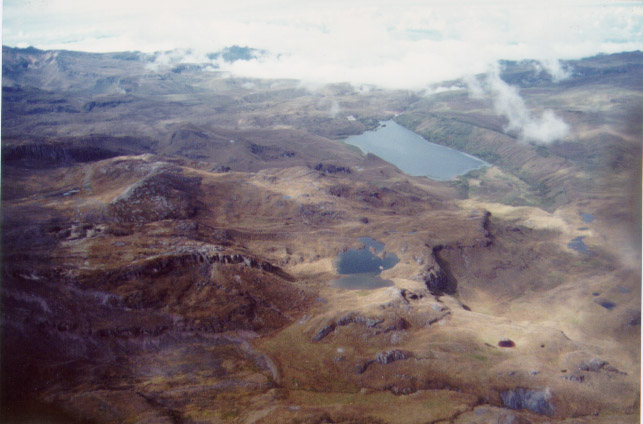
x=361, y=267
x=587, y=217
x=579, y=245
x=607, y=304
x=413, y=154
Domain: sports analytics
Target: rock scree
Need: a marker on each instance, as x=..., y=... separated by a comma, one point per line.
x=538, y=401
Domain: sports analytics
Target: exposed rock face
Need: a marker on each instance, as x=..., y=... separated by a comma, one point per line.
x=435, y=279
x=389, y=356
x=383, y=358
x=105, y=103
x=409, y=296
x=595, y=364
x=575, y=377
x=332, y=169
x=72, y=329
x=205, y=288
x=437, y=274
x=378, y=325
x=162, y=195
x=538, y=401
x=315, y=214
x=324, y=331
x=358, y=319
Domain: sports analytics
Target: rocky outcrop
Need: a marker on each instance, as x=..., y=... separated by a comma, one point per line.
x=575, y=377
x=379, y=325
x=436, y=274
x=106, y=103
x=409, y=296
x=597, y=365
x=389, y=356
x=435, y=279
x=332, y=169
x=354, y=318
x=538, y=401
x=325, y=331
x=159, y=196
x=383, y=358
x=159, y=265
x=316, y=214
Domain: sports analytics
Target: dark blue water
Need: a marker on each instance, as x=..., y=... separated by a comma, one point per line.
x=579, y=245
x=369, y=242
x=362, y=267
x=607, y=304
x=413, y=154
x=587, y=217
x=360, y=261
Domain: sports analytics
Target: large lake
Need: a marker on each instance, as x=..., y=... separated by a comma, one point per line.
x=413, y=154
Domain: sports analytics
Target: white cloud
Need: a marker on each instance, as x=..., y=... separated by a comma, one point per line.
x=555, y=69
x=441, y=89
x=546, y=129
x=402, y=44
x=168, y=59
x=335, y=108
x=508, y=103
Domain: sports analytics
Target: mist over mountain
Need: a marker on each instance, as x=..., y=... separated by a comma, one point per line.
x=402, y=45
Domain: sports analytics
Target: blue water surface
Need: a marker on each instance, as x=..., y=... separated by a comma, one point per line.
x=361, y=267
x=413, y=154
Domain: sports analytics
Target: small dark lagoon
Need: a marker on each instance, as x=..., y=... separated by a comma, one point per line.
x=413, y=154
x=579, y=245
x=362, y=267
x=587, y=217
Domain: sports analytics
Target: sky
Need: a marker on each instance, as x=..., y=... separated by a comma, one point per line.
x=407, y=44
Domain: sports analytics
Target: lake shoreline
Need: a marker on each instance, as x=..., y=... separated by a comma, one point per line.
x=413, y=154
